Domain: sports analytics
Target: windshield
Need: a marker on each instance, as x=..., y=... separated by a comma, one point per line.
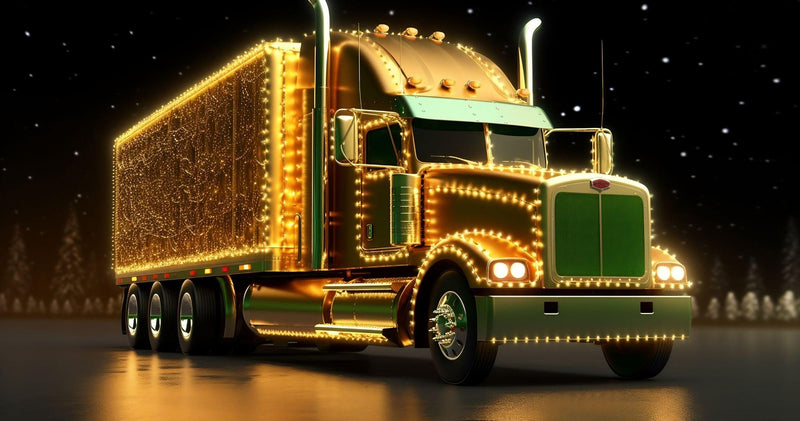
x=470, y=143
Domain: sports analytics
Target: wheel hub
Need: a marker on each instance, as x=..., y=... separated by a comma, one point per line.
x=186, y=314
x=449, y=325
x=155, y=315
x=133, y=314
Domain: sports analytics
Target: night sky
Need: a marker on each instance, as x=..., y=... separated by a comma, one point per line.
x=702, y=101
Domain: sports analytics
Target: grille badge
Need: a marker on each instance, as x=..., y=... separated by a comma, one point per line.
x=599, y=184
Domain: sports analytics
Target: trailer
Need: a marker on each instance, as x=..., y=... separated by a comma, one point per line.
x=362, y=188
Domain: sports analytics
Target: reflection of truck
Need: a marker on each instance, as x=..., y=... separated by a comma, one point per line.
x=377, y=188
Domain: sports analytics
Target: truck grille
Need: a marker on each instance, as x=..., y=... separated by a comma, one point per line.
x=599, y=235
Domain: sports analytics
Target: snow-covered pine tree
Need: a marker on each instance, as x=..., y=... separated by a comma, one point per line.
x=69, y=274
x=17, y=269
x=786, y=310
x=731, y=307
x=749, y=307
x=754, y=281
x=718, y=282
x=790, y=270
x=767, y=309
x=695, y=309
x=712, y=312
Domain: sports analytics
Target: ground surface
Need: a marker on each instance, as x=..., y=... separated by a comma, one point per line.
x=82, y=369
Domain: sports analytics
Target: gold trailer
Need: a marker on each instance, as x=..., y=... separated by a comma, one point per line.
x=383, y=188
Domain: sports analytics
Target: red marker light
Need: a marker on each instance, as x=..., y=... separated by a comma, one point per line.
x=192, y=272
x=600, y=184
x=166, y=275
x=224, y=268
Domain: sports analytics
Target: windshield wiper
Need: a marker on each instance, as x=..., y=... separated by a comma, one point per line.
x=456, y=158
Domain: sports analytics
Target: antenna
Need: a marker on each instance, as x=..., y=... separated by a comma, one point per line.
x=602, y=85
x=360, y=103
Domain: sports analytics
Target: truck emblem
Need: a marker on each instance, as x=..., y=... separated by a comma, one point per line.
x=599, y=184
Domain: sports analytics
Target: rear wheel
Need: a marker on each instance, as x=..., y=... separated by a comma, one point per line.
x=199, y=323
x=136, y=316
x=163, y=317
x=457, y=354
x=637, y=360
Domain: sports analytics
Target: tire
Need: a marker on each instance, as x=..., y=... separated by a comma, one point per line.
x=452, y=333
x=198, y=320
x=136, y=303
x=637, y=360
x=163, y=318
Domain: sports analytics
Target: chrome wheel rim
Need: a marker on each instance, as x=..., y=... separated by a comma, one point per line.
x=449, y=325
x=133, y=314
x=155, y=315
x=186, y=313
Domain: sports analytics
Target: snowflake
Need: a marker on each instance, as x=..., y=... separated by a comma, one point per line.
x=725, y=130
x=27, y=34
x=576, y=108
x=469, y=11
x=665, y=60
x=644, y=7
x=76, y=153
x=391, y=13
x=683, y=154
x=776, y=80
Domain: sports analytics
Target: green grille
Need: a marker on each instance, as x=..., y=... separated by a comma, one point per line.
x=579, y=248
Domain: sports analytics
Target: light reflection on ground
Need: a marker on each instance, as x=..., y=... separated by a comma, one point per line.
x=84, y=370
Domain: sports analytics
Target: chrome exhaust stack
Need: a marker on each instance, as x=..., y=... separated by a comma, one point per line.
x=525, y=53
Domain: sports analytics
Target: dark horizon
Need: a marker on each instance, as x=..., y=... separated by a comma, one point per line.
x=701, y=100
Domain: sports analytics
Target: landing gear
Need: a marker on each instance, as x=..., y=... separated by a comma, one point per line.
x=457, y=354
x=637, y=360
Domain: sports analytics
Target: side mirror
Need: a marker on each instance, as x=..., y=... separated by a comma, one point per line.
x=603, y=155
x=346, y=138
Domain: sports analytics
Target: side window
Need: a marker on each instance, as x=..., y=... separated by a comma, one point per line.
x=383, y=145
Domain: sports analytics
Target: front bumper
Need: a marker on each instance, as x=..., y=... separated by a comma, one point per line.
x=538, y=318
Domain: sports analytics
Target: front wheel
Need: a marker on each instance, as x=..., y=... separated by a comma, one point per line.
x=637, y=360
x=136, y=316
x=453, y=333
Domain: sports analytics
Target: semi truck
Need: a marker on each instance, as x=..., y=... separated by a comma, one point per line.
x=386, y=188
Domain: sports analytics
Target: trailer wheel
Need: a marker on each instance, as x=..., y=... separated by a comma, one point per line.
x=637, y=360
x=163, y=317
x=136, y=316
x=457, y=354
x=198, y=321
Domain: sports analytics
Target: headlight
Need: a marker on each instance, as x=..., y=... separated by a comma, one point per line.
x=500, y=270
x=670, y=272
x=518, y=270
x=511, y=270
x=678, y=273
x=663, y=272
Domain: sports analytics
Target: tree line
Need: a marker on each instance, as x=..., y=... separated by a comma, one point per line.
x=715, y=299
x=77, y=286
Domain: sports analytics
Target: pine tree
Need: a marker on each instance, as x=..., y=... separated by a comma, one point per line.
x=718, y=283
x=767, y=309
x=786, y=310
x=790, y=271
x=18, y=272
x=749, y=307
x=755, y=283
x=731, y=307
x=712, y=312
x=70, y=273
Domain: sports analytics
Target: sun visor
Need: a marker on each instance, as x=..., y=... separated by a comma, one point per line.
x=466, y=110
